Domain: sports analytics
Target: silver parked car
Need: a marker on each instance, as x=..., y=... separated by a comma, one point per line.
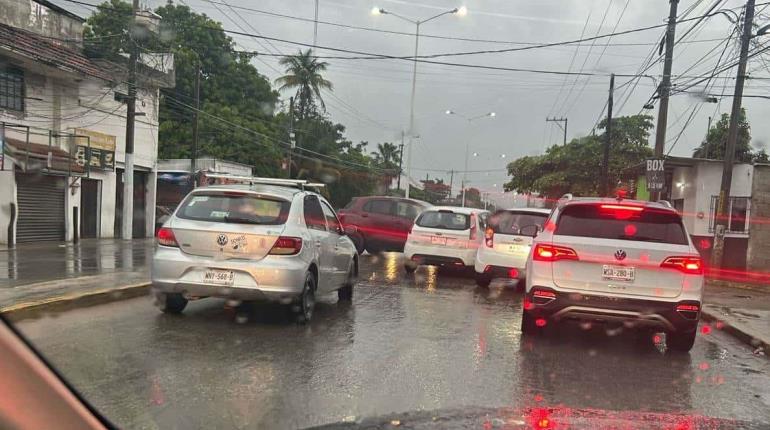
x=253, y=242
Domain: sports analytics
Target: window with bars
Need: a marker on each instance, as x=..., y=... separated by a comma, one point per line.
x=739, y=211
x=11, y=89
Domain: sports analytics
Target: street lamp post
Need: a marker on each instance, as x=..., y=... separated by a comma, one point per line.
x=467, y=142
x=461, y=11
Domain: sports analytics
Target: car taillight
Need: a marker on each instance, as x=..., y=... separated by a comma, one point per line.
x=489, y=237
x=544, y=252
x=688, y=310
x=689, y=265
x=166, y=237
x=286, y=246
x=474, y=229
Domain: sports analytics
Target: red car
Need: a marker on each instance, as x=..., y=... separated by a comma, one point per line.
x=383, y=223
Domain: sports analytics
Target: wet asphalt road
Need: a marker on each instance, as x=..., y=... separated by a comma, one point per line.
x=428, y=342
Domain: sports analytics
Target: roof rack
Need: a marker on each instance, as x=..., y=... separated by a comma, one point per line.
x=297, y=183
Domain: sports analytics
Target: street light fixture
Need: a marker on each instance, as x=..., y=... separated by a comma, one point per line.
x=461, y=11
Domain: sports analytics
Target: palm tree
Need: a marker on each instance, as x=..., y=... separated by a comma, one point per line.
x=303, y=72
x=387, y=155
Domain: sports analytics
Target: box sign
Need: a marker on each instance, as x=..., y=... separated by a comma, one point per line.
x=656, y=174
x=97, y=150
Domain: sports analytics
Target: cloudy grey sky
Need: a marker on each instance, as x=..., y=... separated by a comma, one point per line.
x=371, y=97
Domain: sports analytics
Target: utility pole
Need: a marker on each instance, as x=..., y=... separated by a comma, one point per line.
x=194, y=152
x=732, y=136
x=411, y=106
x=292, y=143
x=665, y=88
x=128, y=171
x=315, y=25
x=606, y=159
x=558, y=122
x=451, y=180
x=400, y=161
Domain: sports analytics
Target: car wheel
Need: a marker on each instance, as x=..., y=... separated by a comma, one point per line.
x=373, y=248
x=303, y=307
x=681, y=341
x=529, y=325
x=345, y=294
x=171, y=303
x=483, y=280
x=410, y=267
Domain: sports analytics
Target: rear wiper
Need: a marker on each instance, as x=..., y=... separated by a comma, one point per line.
x=241, y=220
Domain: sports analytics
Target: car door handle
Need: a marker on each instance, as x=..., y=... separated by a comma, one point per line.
x=317, y=243
x=364, y=215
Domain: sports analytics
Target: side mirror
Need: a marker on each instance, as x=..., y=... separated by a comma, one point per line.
x=530, y=230
x=350, y=230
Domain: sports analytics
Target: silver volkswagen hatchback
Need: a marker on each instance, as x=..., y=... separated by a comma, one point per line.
x=253, y=242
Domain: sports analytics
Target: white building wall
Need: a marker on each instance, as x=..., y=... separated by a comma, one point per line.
x=702, y=181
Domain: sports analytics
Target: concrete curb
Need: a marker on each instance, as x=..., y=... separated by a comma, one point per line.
x=89, y=298
x=734, y=330
x=741, y=285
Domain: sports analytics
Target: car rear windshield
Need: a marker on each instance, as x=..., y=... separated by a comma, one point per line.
x=619, y=222
x=446, y=220
x=236, y=208
x=511, y=222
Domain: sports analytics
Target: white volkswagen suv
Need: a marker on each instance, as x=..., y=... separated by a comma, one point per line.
x=615, y=261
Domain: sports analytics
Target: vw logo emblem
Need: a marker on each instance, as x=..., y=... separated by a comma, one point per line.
x=222, y=240
x=620, y=255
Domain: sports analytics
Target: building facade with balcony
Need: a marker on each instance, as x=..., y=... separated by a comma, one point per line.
x=62, y=130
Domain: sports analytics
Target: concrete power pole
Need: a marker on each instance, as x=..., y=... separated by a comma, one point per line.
x=194, y=152
x=605, y=185
x=558, y=122
x=665, y=88
x=292, y=137
x=732, y=136
x=128, y=172
x=400, y=161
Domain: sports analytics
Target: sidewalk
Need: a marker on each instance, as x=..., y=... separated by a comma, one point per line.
x=39, y=273
x=740, y=309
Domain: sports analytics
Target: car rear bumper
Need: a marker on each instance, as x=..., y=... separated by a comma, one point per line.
x=639, y=313
x=437, y=255
x=499, y=265
x=276, y=278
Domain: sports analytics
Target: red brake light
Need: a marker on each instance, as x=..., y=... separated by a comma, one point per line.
x=545, y=252
x=489, y=237
x=474, y=229
x=622, y=208
x=286, y=246
x=544, y=294
x=690, y=308
x=689, y=265
x=166, y=237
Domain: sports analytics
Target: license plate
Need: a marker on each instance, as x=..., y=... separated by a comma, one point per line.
x=218, y=277
x=618, y=273
x=518, y=249
x=435, y=240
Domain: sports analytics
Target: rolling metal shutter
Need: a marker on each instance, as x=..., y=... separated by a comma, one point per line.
x=40, y=200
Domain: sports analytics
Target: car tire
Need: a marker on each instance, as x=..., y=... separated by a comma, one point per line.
x=528, y=325
x=681, y=341
x=410, y=267
x=483, y=280
x=373, y=248
x=303, y=307
x=345, y=294
x=171, y=303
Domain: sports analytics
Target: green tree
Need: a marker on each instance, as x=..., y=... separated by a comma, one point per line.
x=304, y=73
x=575, y=167
x=716, y=140
x=106, y=31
